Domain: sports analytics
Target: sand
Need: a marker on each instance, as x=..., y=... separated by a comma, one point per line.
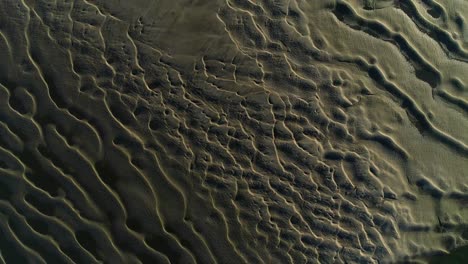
x=233, y=131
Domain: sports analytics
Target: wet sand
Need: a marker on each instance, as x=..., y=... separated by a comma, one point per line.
x=233, y=131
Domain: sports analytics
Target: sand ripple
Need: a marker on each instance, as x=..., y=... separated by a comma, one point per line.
x=232, y=131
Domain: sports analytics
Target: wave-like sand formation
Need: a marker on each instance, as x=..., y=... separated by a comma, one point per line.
x=233, y=131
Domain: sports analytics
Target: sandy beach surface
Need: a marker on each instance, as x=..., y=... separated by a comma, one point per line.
x=233, y=131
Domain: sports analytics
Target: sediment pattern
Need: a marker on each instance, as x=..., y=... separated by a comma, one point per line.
x=232, y=131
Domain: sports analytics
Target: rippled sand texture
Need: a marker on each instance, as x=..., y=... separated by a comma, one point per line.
x=233, y=131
